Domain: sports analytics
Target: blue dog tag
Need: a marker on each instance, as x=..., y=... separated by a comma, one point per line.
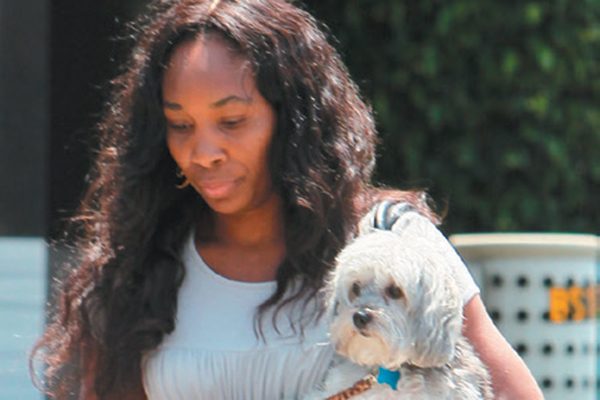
x=389, y=377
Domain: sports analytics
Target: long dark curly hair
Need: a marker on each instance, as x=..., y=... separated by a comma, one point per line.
x=120, y=296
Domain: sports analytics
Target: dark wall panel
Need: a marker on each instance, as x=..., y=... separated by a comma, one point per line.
x=85, y=54
x=24, y=127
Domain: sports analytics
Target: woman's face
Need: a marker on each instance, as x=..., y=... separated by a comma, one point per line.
x=219, y=127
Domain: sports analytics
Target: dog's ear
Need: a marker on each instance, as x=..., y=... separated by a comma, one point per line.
x=328, y=293
x=436, y=312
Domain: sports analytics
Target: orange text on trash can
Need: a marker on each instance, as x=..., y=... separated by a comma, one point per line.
x=574, y=303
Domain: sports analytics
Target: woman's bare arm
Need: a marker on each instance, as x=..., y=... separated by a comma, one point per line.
x=511, y=378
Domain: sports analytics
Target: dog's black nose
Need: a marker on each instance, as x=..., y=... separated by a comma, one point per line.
x=361, y=318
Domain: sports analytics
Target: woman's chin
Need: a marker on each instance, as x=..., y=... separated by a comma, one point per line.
x=225, y=206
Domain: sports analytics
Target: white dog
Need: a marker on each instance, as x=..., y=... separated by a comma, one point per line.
x=395, y=304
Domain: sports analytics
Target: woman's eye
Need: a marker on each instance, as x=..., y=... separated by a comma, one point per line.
x=232, y=123
x=178, y=126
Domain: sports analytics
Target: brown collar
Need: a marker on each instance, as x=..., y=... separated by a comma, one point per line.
x=361, y=386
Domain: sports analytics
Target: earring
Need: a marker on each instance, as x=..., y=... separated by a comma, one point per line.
x=186, y=181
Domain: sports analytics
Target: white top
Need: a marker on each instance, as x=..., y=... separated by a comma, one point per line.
x=213, y=353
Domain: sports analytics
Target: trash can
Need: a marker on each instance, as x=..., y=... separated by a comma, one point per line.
x=541, y=292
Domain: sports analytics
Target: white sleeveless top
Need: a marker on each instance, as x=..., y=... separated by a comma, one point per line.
x=213, y=353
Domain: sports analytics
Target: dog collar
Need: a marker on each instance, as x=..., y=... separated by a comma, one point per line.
x=361, y=386
x=389, y=377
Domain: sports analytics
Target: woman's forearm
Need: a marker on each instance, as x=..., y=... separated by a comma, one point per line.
x=511, y=379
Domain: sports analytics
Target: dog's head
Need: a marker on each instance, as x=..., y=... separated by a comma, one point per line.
x=393, y=300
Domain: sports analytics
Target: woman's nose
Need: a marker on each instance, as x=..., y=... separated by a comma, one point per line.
x=208, y=151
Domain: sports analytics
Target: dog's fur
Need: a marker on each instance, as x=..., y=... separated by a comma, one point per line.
x=395, y=303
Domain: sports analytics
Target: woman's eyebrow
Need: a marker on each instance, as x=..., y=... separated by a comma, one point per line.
x=219, y=103
x=229, y=99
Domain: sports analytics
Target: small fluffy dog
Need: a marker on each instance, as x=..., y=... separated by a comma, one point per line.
x=395, y=304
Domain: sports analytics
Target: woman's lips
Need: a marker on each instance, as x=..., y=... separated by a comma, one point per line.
x=218, y=189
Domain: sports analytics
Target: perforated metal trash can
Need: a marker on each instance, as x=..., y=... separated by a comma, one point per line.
x=541, y=291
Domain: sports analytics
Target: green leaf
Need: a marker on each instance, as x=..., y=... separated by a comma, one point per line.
x=533, y=13
x=538, y=104
x=510, y=62
x=545, y=57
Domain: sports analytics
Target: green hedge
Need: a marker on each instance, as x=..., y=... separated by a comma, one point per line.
x=492, y=105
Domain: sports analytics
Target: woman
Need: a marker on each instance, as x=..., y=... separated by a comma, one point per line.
x=235, y=162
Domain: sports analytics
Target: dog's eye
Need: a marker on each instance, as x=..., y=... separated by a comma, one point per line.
x=355, y=289
x=393, y=292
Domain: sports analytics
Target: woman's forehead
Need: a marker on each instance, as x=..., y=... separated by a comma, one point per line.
x=207, y=63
